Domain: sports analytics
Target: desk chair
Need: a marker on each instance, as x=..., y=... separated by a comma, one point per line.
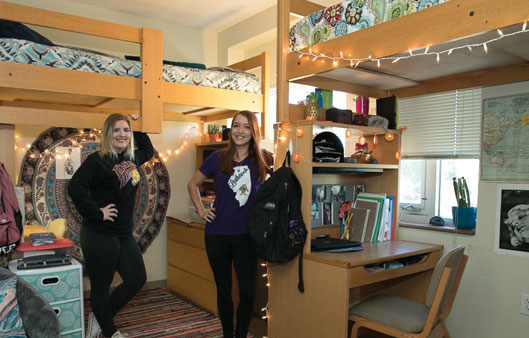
x=400, y=317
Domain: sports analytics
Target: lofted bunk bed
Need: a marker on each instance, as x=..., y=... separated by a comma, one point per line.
x=374, y=48
x=439, y=46
x=60, y=95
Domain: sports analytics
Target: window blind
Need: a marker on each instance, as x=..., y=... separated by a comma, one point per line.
x=445, y=125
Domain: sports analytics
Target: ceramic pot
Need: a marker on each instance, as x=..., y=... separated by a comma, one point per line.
x=464, y=218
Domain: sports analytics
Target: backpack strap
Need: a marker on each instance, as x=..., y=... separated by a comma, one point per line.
x=301, y=286
x=287, y=159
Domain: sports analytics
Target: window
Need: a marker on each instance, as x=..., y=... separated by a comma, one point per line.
x=441, y=142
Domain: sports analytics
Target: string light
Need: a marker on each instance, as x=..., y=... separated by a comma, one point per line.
x=297, y=157
x=87, y=136
x=267, y=276
x=300, y=131
x=394, y=59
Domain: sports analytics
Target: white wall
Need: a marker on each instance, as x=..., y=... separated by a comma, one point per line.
x=488, y=301
x=180, y=43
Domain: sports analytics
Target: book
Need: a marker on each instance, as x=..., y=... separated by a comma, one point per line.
x=41, y=238
x=359, y=223
x=388, y=107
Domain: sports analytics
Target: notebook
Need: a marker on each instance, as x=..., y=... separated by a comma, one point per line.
x=359, y=224
x=329, y=244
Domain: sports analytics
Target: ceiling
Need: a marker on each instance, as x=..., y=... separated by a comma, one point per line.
x=198, y=14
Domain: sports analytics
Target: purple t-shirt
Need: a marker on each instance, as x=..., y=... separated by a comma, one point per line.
x=233, y=195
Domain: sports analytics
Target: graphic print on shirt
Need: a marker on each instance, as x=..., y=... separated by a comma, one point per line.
x=126, y=170
x=241, y=183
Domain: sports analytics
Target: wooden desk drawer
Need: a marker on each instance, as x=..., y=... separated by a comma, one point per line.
x=359, y=276
x=189, y=258
x=197, y=290
x=183, y=234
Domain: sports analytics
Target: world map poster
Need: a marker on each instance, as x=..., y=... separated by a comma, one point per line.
x=504, y=138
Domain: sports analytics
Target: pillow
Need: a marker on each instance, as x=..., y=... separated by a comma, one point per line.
x=172, y=63
x=16, y=30
x=10, y=321
x=86, y=50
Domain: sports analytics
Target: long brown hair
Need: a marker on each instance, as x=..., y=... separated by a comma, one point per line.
x=257, y=155
x=106, y=147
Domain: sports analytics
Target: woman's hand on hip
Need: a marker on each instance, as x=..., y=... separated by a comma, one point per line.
x=109, y=212
x=209, y=215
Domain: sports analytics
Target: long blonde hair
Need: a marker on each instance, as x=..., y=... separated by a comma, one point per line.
x=106, y=147
x=257, y=155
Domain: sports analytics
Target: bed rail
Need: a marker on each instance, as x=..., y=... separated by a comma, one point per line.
x=147, y=90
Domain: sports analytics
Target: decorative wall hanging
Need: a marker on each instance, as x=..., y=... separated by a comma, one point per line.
x=46, y=196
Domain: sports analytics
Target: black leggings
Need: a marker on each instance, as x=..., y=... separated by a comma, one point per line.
x=222, y=250
x=104, y=255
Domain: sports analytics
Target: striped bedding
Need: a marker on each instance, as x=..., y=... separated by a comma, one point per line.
x=22, y=51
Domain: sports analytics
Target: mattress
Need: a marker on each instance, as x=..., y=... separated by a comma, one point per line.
x=350, y=16
x=22, y=51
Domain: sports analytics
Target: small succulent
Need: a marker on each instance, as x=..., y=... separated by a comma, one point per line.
x=213, y=128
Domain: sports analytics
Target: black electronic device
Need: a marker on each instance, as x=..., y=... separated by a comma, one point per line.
x=437, y=221
x=329, y=244
x=43, y=261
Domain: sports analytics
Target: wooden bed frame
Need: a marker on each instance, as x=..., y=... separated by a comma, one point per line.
x=455, y=19
x=36, y=95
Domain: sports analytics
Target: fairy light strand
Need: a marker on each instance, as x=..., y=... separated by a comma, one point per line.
x=83, y=137
x=354, y=62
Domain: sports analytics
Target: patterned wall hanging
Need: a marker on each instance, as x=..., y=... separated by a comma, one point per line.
x=46, y=196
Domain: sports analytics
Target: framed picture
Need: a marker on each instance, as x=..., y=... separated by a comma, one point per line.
x=512, y=220
x=67, y=161
x=315, y=215
x=327, y=213
x=319, y=193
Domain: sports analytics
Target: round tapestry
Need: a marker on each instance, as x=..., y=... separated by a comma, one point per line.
x=46, y=188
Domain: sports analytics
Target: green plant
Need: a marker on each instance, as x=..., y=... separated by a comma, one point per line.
x=312, y=97
x=213, y=128
x=461, y=191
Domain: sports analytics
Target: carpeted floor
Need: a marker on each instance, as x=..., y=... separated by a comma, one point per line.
x=158, y=313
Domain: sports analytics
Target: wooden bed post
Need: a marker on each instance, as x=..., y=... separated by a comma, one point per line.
x=151, y=109
x=7, y=149
x=265, y=90
x=283, y=25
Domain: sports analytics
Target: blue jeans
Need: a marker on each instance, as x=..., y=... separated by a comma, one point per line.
x=222, y=250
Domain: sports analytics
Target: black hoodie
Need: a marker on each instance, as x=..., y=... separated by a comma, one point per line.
x=102, y=180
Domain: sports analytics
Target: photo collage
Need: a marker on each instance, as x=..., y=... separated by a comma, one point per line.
x=326, y=202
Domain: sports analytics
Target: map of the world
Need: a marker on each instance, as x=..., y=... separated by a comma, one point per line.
x=504, y=139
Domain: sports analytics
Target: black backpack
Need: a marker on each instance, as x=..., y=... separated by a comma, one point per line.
x=276, y=225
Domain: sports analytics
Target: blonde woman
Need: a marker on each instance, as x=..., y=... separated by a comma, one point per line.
x=103, y=190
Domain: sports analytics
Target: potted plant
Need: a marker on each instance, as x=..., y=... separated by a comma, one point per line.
x=214, y=132
x=463, y=214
